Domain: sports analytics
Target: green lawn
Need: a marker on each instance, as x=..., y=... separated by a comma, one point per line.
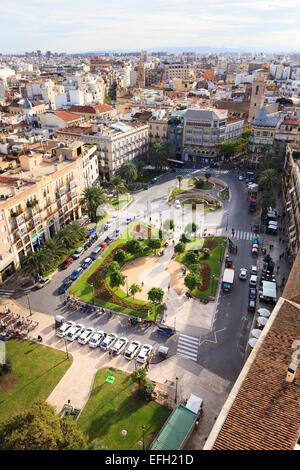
x=215, y=262
x=113, y=408
x=121, y=202
x=37, y=371
x=206, y=184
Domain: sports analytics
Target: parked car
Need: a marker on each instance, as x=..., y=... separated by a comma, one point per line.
x=252, y=293
x=65, y=286
x=64, y=328
x=86, y=335
x=254, y=250
x=144, y=353
x=119, y=345
x=254, y=270
x=251, y=305
x=108, y=240
x=96, y=339
x=76, y=273
x=95, y=253
x=132, y=350
x=86, y=263
x=42, y=282
x=128, y=220
x=110, y=222
x=109, y=341
x=241, y=178
x=116, y=233
x=67, y=263
x=177, y=204
x=253, y=280
x=78, y=252
x=103, y=245
x=243, y=273
x=146, y=186
x=75, y=331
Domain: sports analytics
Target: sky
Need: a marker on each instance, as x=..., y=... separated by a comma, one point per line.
x=120, y=25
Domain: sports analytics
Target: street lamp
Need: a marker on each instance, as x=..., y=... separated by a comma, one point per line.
x=93, y=295
x=67, y=352
x=176, y=391
x=29, y=306
x=212, y=284
x=127, y=285
x=143, y=428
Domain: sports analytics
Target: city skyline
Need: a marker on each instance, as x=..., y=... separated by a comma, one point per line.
x=119, y=26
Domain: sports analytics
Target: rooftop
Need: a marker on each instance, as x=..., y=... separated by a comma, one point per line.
x=265, y=120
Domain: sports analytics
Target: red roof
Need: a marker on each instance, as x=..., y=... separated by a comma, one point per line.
x=67, y=116
x=95, y=109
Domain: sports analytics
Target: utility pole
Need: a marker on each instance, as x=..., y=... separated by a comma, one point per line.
x=29, y=306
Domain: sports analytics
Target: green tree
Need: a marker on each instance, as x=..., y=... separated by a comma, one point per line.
x=92, y=198
x=192, y=280
x=198, y=183
x=140, y=166
x=268, y=179
x=207, y=176
x=179, y=178
x=138, y=375
x=169, y=224
x=55, y=248
x=128, y=172
x=266, y=199
x=179, y=247
x=117, y=279
x=134, y=247
x=134, y=289
x=147, y=388
x=36, y=262
x=39, y=428
x=206, y=252
x=159, y=154
x=156, y=295
x=160, y=234
x=120, y=256
x=184, y=239
x=112, y=267
x=117, y=187
x=154, y=243
x=191, y=257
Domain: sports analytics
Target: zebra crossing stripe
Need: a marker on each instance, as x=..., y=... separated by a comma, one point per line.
x=188, y=356
x=192, y=342
x=190, y=337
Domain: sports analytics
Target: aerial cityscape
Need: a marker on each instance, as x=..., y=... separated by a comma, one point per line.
x=150, y=227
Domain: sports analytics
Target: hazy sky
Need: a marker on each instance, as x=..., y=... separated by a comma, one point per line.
x=89, y=25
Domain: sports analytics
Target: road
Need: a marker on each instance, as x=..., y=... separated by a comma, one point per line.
x=222, y=350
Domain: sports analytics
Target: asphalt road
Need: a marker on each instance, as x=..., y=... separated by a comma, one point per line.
x=222, y=350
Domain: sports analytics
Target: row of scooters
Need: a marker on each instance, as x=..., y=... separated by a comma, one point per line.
x=86, y=308
x=92, y=240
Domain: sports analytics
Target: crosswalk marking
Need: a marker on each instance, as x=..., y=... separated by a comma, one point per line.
x=241, y=235
x=187, y=347
x=7, y=292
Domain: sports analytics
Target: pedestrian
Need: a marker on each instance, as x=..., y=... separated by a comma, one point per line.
x=278, y=268
x=142, y=283
x=283, y=280
x=169, y=287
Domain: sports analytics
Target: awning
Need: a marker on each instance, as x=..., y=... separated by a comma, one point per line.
x=269, y=289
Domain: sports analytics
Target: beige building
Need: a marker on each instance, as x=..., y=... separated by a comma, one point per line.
x=38, y=198
x=178, y=70
x=264, y=127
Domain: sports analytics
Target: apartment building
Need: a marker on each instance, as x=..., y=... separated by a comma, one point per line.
x=264, y=127
x=204, y=130
x=117, y=142
x=291, y=194
x=39, y=197
x=101, y=111
x=42, y=90
x=177, y=70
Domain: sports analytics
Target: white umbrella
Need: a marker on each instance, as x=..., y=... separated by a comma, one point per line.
x=264, y=312
x=252, y=342
x=262, y=321
x=256, y=332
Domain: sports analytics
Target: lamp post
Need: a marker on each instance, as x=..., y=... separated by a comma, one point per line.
x=127, y=285
x=212, y=284
x=143, y=428
x=29, y=306
x=67, y=352
x=93, y=295
x=176, y=391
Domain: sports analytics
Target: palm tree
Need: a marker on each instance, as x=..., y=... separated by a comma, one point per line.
x=266, y=199
x=139, y=166
x=55, y=248
x=77, y=231
x=117, y=187
x=268, y=179
x=66, y=237
x=92, y=198
x=36, y=262
x=134, y=289
x=179, y=178
x=128, y=172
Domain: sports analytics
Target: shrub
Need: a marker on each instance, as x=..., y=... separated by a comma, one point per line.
x=120, y=256
x=191, y=257
x=133, y=247
x=206, y=252
x=179, y=247
x=147, y=388
x=192, y=280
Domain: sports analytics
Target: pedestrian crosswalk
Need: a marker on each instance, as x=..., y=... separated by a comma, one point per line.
x=187, y=347
x=7, y=293
x=241, y=235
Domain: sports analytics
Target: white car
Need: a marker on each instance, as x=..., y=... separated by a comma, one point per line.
x=96, y=339
x=132, y=350
x=254, y=270
x=243, y=273
x=253, y=280
x=86, y=335
x=240, y=178
x=109, y=223
x=109, y=341
x=144, y=353
x=42, y=282
x=62, y=331
x=75, y=331
x=120, y=345
x=177, y=204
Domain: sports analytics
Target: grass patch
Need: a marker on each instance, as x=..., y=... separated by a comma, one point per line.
x=209, y=268
x=204, y=185
x=113, y=408
x=224, y=194
x=37, y=371
x=175, y=193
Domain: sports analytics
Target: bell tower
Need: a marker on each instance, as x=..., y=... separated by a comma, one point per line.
x=257, y=95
